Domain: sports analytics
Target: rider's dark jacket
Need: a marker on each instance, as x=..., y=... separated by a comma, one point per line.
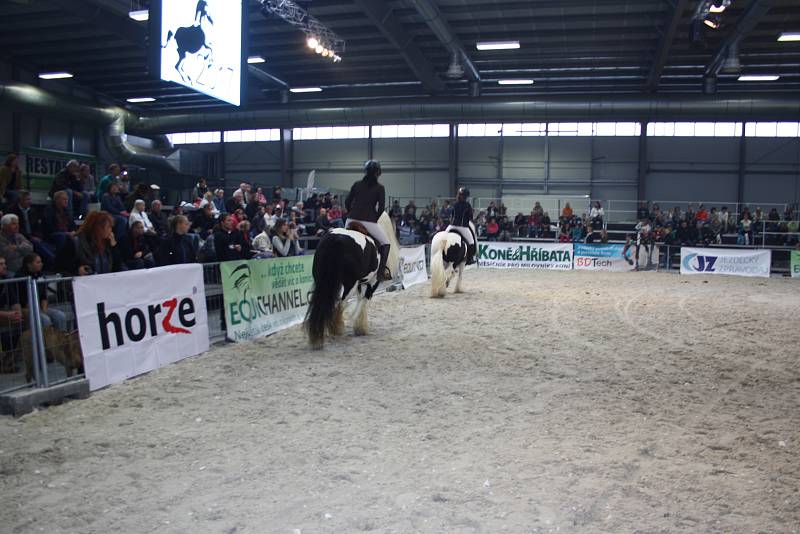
x=366, y=201
x=462, y=213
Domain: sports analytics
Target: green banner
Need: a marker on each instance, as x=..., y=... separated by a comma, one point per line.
x=794, y=264
x=262, y=297
x=40, y=165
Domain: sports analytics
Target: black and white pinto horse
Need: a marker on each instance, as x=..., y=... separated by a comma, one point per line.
x=192, y=40
x=344, y=259
x=448, y=258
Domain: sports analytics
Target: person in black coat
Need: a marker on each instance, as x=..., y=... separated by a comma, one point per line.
x=204, y=221
x=177, y=248
x=134, y=250
x=228, y=241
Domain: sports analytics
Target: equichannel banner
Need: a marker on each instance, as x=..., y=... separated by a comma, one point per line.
x=794, y=264
x=412, y=265
x=551, y=256
x=726, y=261
x=262, y=297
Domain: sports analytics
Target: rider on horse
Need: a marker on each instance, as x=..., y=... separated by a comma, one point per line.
x=365, y=203
x=462, y=216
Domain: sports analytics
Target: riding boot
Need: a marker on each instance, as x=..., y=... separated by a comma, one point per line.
x=471, y=249
x=383, y=272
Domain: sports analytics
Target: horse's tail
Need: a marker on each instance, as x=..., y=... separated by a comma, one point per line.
x=169, y=38
x=327, y=287
x=437, y=263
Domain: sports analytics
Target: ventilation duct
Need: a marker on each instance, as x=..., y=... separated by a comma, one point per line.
x=22, y=97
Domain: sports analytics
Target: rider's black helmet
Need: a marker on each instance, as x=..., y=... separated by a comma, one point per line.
x=463, y=191
x=372, y=168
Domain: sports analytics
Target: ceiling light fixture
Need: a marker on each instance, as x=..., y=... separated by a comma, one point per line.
x=54, y=75
x=140, y=15
x=787, y=37
x=497, y=45
x=515, y=82
x=305, y=89
x=255, y=59
x=711, y=24
x=718, y=8
x=141, y=100
x=759, y=78
x=312, y=42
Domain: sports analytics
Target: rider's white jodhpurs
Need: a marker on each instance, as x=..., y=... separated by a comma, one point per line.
x=374, y=229
x=464, y=231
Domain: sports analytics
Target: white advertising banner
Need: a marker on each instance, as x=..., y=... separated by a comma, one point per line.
x=551, y=256
x=412, y=265
x=612, y=257
x=726, y=261
x=136, y=321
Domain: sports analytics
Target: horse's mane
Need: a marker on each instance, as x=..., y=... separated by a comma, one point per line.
x=356, y=226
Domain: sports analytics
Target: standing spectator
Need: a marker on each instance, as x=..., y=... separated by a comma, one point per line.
x=58, y=226
x=724, y=219
x=13, y=245
x=745, y=230
x=134, y=250
x=566, y=213
x=178, y=247
x=10, y=177
x=491, y=211
x=642, y=212
x=312, y=206
x=284, y=240
x=30, y=225
x=96, y=252
x=112, y=204
x=159, y=219
x=112, y=176
x=537, y=209
x=68, y=179
x=228, y=241
x=200, y=189
x=88, y=184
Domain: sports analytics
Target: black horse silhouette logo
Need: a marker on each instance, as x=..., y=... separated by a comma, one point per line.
x=192, y=40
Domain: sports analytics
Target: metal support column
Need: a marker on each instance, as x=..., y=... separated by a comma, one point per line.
x=641, y=178
x=452, y=163
x=742, y=170
x=287, y=157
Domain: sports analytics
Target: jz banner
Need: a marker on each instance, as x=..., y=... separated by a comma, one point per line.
x=555, y=256
x=136, y=321
x=721, y=261
x=264, y=296
x=794, y=264
x=412, y=266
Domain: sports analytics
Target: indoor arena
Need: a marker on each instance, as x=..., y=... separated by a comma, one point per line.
x=400, y=266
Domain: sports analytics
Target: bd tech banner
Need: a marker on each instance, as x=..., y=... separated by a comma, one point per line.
x=136, y=321
x=413, y=267
x=794, y=264
x=611, y=257
x=551, y=256
x=721, y=261
x=264, y=296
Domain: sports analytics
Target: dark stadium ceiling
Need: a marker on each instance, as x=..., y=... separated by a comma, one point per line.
x=595, y=47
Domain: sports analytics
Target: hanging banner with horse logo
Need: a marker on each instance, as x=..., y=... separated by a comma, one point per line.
x=198, y=44
x=794, y=264
x=412, y=265
x=262, y=297
x=550, y=256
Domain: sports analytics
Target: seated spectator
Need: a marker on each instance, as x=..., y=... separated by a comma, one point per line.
x=219, y=200
x=10, y=320
x=492, y=211
x=592, y=236
x=327, y=201
x=724, y=219
x=159, y=219
x=208, y=200
x=604, y=236
x=244, y=229
x=96, y=246
x=277, y=193
x=10, y=178
x=396, y=210
x=534, y=224
x=204, y=222
x=200, y=189
x=545, y=224
x=492, y=229
x=235, y=202
x=596, y=214
x=292, y=219
x=13, y=245
x=138, y=214
x=745, y=230
x=33, y=266
x=68, y=179
x=238, y=216
x=537, y=209
x=228, y=241
x=520, y=225
x=124, y=182
x=112, y=204
x=576, y=235
x=685, y=234
x=178, y=248
x=262, y=245
x=774, y=218
x=112, y=176
x=335, y=215
x=134, y=249
x=702, y=214
x=285, y=240
x=446, y=213
x=410, y=211
x=140, y=192
x=260, y=198
x=88, y=183
x=323, y=222
x=57, y=224
x=30, y=225
x=564, y=234
x=642, y=212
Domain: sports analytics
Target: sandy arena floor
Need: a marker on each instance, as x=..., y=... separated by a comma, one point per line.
x=537, y=402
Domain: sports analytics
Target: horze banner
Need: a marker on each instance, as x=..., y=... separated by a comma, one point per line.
x=136, y=321
x=264, y=296
x=610, y=257
x=722, y=261
x=556, y=256
x=794, y=264
x=412, y=265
